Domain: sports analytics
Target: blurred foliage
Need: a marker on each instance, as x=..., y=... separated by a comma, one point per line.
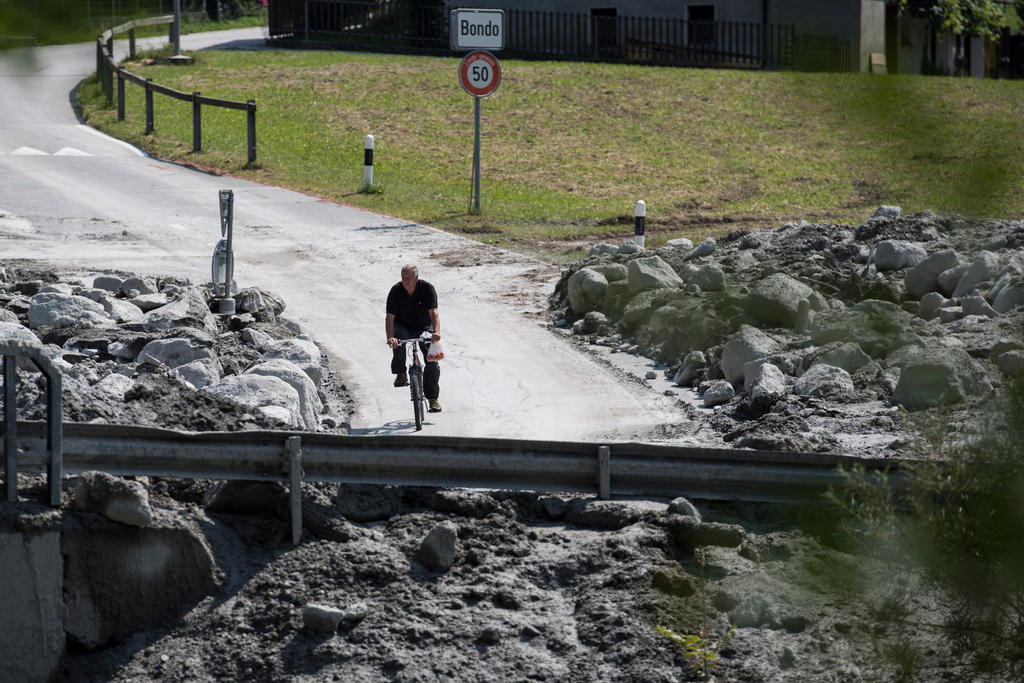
x=959, y=526
x=962, y=17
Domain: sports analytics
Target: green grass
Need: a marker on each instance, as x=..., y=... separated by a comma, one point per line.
x=569, y=147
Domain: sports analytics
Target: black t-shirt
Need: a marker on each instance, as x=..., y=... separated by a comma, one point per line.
x=413, y=311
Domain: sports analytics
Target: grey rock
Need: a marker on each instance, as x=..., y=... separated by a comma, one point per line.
x=109, y=283
x=603, y=248
x=114, y=386
x=273, y=397
x=613, y=272
x=310, y=405
x=693, y=367
x=976, y=305
x=745, y=345
x=930, y=305
x=709, y=278
x=923, y=277
x=8, y=317
x=845, y=355
x=897, y=254
x=149, y=302
x=190, y=309
x=144, y=285
x=947, y=280
x=437, y=551
x=824, y=381
x=171, y=353
x=1003, y=345
x=984, y=269
x=705, y=248
x=718, y=393
x=117, y=499
x=689, y=531
x=320, y=619
x=630, y=247
x=57, y=287
x=1011, y=363
x=775, y=300
x=586, y=289
x=1009, y=297
x=950, y=314
x=303, y=353
x=258, y=338
x=888, y=211
x=767, y=386
x=53, y=309
x=936, y=376
x=682, y=506
x=200, y=373
x=679, y=243
x=594, y=321
x=651, y=272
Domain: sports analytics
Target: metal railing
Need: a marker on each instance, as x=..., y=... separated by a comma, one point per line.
x=11, y=350
x=620, y=469
x=107, y=69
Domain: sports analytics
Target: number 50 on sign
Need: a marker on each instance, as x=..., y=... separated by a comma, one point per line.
x=480, y=73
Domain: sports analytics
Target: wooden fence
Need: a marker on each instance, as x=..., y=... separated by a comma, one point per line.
x=107, y=69
x=399, y=26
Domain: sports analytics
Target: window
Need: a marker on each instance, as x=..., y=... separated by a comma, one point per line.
x=700, y=25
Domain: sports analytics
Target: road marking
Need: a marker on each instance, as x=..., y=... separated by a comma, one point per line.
x=71, y=152
x=132, y=148
x=29, y=151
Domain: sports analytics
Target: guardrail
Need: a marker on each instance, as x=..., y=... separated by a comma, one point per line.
x=620, y=469
x=107, y=68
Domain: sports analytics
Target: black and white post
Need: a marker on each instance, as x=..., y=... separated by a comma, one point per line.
x=367, y=163
x=223, y=257
x=639, y=220
x=177, y=28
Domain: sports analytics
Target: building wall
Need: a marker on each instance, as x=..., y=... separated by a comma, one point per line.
x=725, y=10
x=872, y=32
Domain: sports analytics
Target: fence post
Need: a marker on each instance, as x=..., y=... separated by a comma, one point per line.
x=99, y=60
x=149, y=106
x=11, y=426
x=250, y=118
x=294, y=447
x=120, y=96
x=197, y=124
x=131, y=43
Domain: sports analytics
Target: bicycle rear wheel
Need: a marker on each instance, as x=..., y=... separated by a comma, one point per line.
x=416, y=390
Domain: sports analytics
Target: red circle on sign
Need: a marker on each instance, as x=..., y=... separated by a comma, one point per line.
x=479, y=73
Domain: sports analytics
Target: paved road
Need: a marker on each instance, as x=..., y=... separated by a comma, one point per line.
x=80, y=200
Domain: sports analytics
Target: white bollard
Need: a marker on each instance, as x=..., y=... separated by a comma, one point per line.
x=367, y=162
x=640, y=214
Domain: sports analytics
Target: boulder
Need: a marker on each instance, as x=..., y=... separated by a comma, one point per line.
x=718, y=393
x=120, y=310
x=651, y=273
x=692, y=368
x=117, y=499
x=976, y=305
x=53, y=309
x=114, y=385
x=321, y=620
x=766, y=386
x=148, y=302
x=984, y=269
x=824, y=381
x=930, y=305
x=143, y=285
x=171, y=353
x=936, y=376
x=947, y=280
x=586, y=289
x=705, y=248
x=876, y=326
x=888, y=212
x=745, y=345
x=615, y=298
x=613, y=272
x=258, y=338
x=190, y=309
x=594, y=321
x=437, y=551
x=109, y=283
x=200, y=373
x=709, y=278
x=845, y=355
x=630, y=247
x=8, y=317
x=679, y=243
x=775, y=300
x=923, y=277
x=57, y=287
x=603, y=248
x=303, y=353
x=1011, y=363
x=897, y=254
x=309, y=401
x=15, y=330
x=1009, y=297
x=273, y=397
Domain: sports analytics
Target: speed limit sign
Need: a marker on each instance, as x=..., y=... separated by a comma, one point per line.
x=479, y=73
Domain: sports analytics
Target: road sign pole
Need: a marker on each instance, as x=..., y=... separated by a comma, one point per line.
x=476, y=156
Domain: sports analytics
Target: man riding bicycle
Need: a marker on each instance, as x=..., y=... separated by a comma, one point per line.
x=411, y=310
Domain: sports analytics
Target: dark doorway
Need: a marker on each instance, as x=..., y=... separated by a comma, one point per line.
x=700, y=25
x=606, y=33
x=892, y=38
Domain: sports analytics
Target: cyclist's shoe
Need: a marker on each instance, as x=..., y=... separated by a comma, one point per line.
x=435, y=407
x=401, y=380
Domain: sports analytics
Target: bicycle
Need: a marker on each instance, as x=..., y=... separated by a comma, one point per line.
x=419, y=401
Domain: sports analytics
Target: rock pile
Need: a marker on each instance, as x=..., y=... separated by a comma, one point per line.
x=779, y=325
x=150, y=352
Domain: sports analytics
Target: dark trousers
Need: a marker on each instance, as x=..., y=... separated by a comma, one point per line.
x=431, y=371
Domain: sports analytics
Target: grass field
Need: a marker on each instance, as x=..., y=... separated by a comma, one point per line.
x=569, y=147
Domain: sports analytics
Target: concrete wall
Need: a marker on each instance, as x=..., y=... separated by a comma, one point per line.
x=872, y=32
x=32, y=640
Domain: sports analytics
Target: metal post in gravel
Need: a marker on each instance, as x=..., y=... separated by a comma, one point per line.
x=11, y=426
x=294, y=446
x=604, y=475
x=197, y=123
x=149, y=106
x=131, y=43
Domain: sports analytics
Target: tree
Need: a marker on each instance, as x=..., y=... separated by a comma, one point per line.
x=962, y=17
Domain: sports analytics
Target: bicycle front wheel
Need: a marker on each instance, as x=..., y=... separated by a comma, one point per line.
x=416, y=389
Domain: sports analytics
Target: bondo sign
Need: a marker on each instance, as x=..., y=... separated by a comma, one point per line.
x=477, y=29
x=479, y=73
